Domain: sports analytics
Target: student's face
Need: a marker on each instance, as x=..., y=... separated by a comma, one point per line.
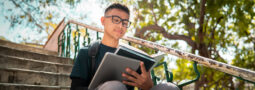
x=110, y=21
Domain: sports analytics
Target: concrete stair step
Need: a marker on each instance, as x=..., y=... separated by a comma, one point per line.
x=13, y=86
x=27, y=48
x=23, y=76
x=24, y=63
x=32, y=55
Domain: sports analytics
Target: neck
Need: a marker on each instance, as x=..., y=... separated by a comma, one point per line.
x=111, y=42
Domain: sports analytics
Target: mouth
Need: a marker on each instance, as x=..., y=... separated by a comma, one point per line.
x=119, y=31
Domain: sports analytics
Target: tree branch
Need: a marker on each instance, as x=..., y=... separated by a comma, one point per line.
x=30, y=16
x=187, y=39
x=34, y=8
x=155, y=19
x=212, y=34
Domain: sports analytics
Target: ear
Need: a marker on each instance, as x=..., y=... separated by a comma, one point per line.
x=102, y=20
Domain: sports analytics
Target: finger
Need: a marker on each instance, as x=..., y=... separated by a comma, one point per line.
x=133, y=73
x=129, y=77
x=143, y=67
x=149, y=72
x=130, y=83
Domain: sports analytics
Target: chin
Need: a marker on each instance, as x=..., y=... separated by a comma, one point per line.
x=118, y=37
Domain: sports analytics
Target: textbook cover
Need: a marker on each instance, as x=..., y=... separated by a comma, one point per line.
x=126, y=52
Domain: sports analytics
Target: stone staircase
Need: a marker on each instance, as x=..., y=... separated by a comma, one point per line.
x=29, y=68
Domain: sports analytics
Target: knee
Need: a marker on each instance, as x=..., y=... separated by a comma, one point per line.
x=165, y=86
x=112, y=85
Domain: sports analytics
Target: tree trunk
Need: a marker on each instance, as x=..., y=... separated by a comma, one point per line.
x=202, y=48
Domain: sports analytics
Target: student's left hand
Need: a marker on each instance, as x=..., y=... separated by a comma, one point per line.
x=142, y=80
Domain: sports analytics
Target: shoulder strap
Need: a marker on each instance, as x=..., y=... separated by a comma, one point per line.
x=92, y=52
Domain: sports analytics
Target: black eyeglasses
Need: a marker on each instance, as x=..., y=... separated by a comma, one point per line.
x=117, y=20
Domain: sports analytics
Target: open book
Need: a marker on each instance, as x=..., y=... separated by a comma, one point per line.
x=126, y=52
x=114, y=64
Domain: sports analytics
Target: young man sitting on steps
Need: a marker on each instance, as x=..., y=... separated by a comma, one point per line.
x=115, y=22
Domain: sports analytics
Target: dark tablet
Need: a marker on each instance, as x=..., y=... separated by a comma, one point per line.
x=111, y=68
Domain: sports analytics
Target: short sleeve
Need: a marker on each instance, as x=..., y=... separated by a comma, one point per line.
x=81, y=68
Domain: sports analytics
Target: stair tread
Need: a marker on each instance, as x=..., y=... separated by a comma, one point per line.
x=26, y=48
x=30, y=51
x=33, y=71
x=33, y=55
x=29, y=85
x=24, y=76
x=7, y=61
x=33, y=60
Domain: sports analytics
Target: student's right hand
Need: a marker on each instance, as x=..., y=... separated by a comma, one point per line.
x=142, y=80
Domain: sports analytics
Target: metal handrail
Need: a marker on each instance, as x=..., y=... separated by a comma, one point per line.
x=226, y=68
x=223, y=67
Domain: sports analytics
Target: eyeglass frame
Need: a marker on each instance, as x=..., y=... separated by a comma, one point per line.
x=121, y=20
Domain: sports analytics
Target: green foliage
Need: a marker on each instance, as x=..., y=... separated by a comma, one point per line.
x=37, y=16
x=228, y=28
x=184, y=71
x=245, y=58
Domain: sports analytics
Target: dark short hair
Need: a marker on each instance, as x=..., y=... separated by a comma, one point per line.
x=117, y=6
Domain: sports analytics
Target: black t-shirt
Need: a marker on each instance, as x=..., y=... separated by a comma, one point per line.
x=80, y=74
x=81, y=68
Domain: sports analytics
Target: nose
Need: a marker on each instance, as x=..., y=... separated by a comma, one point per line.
x=120, y=25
